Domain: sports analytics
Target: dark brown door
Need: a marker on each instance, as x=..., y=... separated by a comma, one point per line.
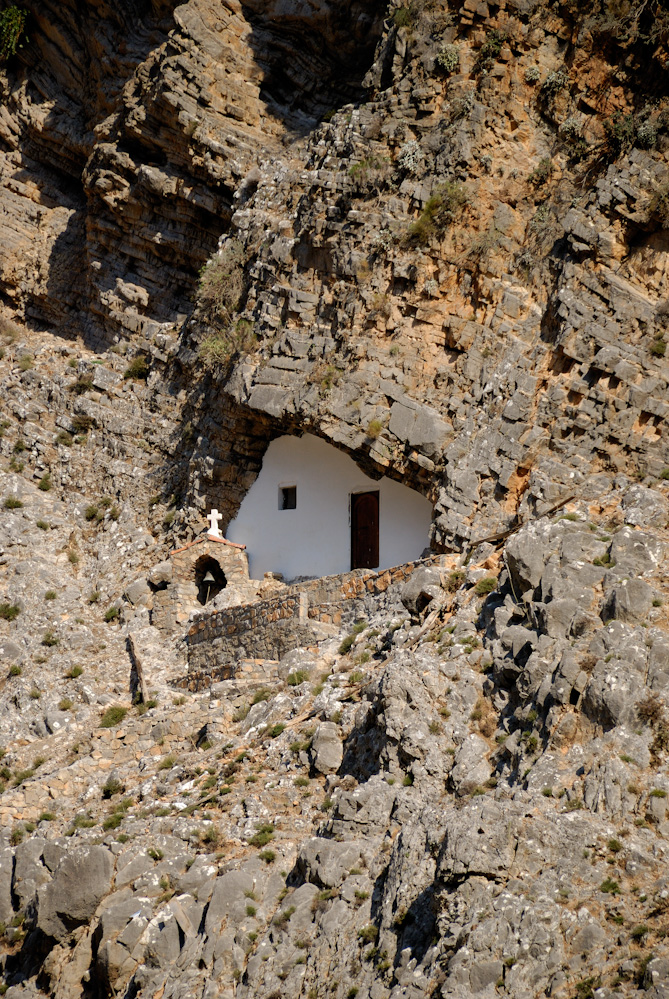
x=364, y=530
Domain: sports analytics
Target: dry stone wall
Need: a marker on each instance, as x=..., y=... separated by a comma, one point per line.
x=269, y=628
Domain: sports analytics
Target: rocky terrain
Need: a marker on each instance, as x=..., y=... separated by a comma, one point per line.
x=437, y=238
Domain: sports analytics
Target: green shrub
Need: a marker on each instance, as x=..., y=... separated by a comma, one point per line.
x=111, y=787
x=620, y=132
x=298, y=677
x=403, y=17
x=614, y=845
x=368, y=934
x=47, y=817
x=440, y=210
x=374, y=428
x=12, y=503
x=91, y=512
x=542, y=172
x=262, y=836
x=94, y=596
x=65, y=704
x=45, y=483
x=222, y=282
x=113, y=821
x=50, y=639
x=74, y=672
x=62, y=437
x=275, y=730
x=112, y=614
x=35, y=694
x=167, y=762
x=155, y=853
x=50, y=595
x=12, y=30
x=640, y=932
x=15, y=670
x=448, y=58
x=268, y=856
x=485, y=586
x=26, y=362
x=218, y=349
x=658, y=347
x=9, y=612
x=82, y=385
x=113, y=716
x=610, y=887
x=137, y=369
x=42, y=524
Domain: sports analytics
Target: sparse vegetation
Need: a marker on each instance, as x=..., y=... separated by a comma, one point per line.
x=138, y=369
x=113, y=716
x=12, y=30
x=9, y=612
x=441, y=209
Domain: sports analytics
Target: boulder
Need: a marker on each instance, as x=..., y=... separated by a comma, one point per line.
x=422, y=588
x=326, y=748
x=80, y=882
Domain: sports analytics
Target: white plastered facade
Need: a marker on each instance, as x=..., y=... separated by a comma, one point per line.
x=314, y=539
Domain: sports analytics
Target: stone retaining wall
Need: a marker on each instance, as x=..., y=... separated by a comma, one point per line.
x=269, y=628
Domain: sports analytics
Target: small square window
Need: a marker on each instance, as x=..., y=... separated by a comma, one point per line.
x=288, y=498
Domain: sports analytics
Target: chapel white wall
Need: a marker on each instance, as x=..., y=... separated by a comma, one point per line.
x=315, y=539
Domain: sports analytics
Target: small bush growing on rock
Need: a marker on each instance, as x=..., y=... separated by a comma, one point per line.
x=610, y=887
x=368, y=934
x=651, y=709
x=47, y=817
x=262, y=836
x=42, y=524
x=448, y=59
x=553, y=84
x=62, y=437
x=298, y=677
x=240, y=338
x=64, y=704
x=111, y=787
x=50, y=595
x=12, y=30
x=485, y=586
x=26, y=362
x=112, y=821
x=440, y=210
x=222, y=282
x=112, y=614
x=658, y=347
x=167, y=762
x=275, y=730
x=620, y=132
x=73, y=557
x=268, y=856
x=93, y=597
x=138, y=369
x=155, y=853
x=542, y=172
x=74, y=672
x=113, y=716
x=15, y=670
x=16, y=836
x=491, y=47
x=403, y=17
x=261, y=695
x=50, y=639
x=639, y=933
x=614, y=845
x=532, y=74
x=45, y=483
x=9, y=612
x=82, y=385
x=12, y=503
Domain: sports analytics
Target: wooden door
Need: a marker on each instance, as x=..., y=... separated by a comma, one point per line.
x=364, y=530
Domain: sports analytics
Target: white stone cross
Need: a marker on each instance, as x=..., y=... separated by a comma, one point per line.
x=213, y=519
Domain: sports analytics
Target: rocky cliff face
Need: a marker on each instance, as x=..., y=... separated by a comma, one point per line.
x=439, y=239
